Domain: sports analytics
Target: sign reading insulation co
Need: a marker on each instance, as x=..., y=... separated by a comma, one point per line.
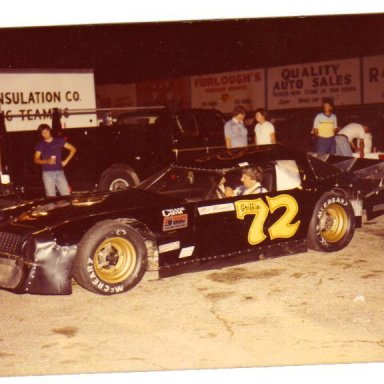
x=27, y=98
x=223, y=91
x=305, y=85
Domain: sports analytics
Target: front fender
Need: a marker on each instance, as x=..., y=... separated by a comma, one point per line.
x=49, y=271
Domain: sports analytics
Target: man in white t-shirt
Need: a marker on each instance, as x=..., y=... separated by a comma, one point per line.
x=355, y=131
x=264, y=130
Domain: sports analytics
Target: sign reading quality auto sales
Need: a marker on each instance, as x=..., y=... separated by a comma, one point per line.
x=305, y=85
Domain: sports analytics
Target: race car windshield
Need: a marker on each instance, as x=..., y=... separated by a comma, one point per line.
x=186, y=183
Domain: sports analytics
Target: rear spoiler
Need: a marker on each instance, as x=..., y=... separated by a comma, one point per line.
x=372, y=169
x=370, y=176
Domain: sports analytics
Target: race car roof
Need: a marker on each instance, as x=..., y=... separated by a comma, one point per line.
x=238, y=157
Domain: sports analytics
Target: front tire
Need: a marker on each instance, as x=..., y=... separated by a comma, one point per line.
x=332, y=225
x=111, y=258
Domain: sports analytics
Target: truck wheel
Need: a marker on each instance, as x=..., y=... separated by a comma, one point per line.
x=117, y=178
x=111, y=258
x=332, y=225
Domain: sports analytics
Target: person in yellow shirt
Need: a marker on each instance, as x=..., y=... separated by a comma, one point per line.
x=325, y=129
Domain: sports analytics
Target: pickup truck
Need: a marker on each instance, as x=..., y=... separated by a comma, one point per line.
x=112, y=156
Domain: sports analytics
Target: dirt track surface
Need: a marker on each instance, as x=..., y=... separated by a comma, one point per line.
x=303, y=309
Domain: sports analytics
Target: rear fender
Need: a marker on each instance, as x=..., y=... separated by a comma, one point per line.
x=356, y=201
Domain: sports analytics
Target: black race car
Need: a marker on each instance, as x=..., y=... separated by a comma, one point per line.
x=185, y=216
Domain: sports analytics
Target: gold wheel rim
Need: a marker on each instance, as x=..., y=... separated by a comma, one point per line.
x=115, y=260
x=333, y=223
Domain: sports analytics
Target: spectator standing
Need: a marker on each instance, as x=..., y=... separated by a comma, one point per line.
x=235, y=133
x=356, y=134
x=264, y=129
x=48, y=155
x=325, y=128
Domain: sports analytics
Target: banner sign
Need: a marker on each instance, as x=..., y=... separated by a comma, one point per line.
x=373, y=77
x=116, y=95
x=305, y=85
x=27, y=99
x=173, y=93
x=223, y=91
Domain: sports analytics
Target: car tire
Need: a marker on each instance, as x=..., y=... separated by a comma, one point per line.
x=117, y=178
x=332, y=225
x=111, y=258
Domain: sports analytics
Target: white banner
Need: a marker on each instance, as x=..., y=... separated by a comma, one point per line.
x=305, y=85
x=31, y=96
x=223, y=91
x=373, y=77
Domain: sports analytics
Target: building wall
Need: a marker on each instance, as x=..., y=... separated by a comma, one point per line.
x=348, y=82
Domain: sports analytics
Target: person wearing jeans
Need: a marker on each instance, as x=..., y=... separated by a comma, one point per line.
x=48, y=154
x=325, y=129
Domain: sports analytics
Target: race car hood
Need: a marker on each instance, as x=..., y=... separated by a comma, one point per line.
x=45, y=213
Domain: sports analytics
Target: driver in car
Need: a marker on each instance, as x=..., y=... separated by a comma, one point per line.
x=251, y=179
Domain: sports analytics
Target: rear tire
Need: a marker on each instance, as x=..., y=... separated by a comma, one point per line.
x=332, y=225
x=111, y=259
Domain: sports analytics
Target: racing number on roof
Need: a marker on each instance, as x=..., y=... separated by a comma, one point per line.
x=281, y=228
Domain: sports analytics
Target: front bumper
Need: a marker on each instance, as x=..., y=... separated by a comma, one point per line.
x=46, y=272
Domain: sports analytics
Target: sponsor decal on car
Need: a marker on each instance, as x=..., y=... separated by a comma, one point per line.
x=281, y=228
x=230, y=154
x=169, y=247
x=171, y=223
x=217, y=208
x=186, y=252
x=173, y=211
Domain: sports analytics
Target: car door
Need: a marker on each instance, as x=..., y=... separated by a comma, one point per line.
x=174, y=218
x=245, y=222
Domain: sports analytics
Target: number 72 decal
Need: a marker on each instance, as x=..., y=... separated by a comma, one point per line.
x=281, y=228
